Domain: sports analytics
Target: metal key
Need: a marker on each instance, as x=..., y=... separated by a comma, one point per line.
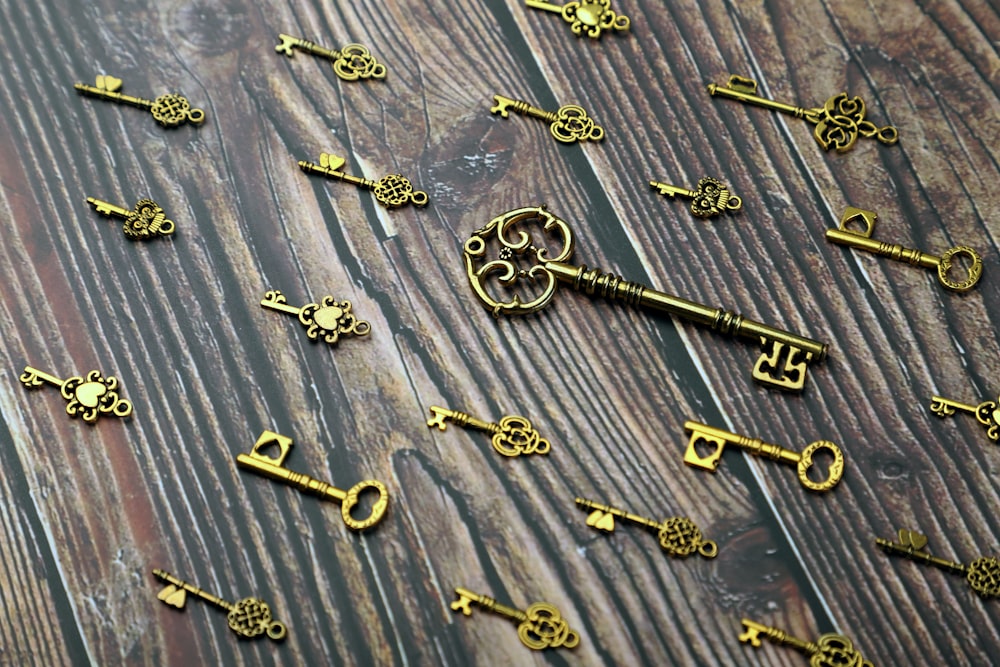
x=863, y=241
x=830, y=649
x=586, y=16
x=352, y=62
x=982, y=574
x=783, y=364
x=802, y=461
x=391, y=191
x=169, y=110
x=330, y=319
x=513, y=436
x=272, y=467
x=88, y=398
x=987, y=413
x=679, y=536
x=568, y=125
x=711, y=199
x=147, y=220
x=249, y=617
x=539, y=626
x=839, y=122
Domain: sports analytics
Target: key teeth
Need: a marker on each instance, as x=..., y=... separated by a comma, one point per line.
x=287, y=42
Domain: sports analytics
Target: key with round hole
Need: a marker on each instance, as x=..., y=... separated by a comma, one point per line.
x=828, y=650
x=350, y=63
x=712, y=197
x=567, y=125
x=678, y=535
x=586, y=17
x=146, y=221
x=169, y=110
x=513, y=436
x=987, y=413
x=88, y=397
x=391, y=191
x=330, y=319
x=982, y=574
x=540, y=626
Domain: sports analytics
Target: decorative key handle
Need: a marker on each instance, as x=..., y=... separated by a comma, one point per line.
x=588, y=17
x=802, y=461
x=568, y=125
x=539, y=626
x=88, y=397
x=169, y=110
x=679, y=536
x=513, y=436
x=839, y=122
x=329, y=319
x=863, y=240
x=711, y=199
x=785, y=359
x=830, y=650
x=351, y=62
x=272, y=467
x=391, y=191
x=146, y=221
x=987, y=413
x=983, y=574
x=249, y=617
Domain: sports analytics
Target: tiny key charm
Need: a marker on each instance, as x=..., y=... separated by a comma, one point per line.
x=863, y=240
x=982, y=574
x=540, y=626
x=351, y=62
x=146, y=221
x=329, y=319
x=588, y=17
x=829, y=650
x=679, y=536
x=513, y=436
x=839, y=122
x=169, y=110
x=711, y=199
x=568, y=125
x=391, y=191
x=249, y=617
x=987, y=413
x=88, y=398
x=273, y=467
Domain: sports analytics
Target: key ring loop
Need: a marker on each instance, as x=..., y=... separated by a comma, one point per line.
x=351, y=500
x=975, y=271
x=836, y=470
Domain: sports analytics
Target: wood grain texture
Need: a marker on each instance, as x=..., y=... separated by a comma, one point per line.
x=87, y=511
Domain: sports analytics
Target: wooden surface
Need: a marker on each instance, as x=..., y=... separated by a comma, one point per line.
x=87, y=511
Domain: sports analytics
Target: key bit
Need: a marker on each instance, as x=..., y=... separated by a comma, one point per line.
x=830, y=649
x=330, y=319
x=586, y=17
x=146, y=221
x=711, y=199
x=678, y=535
x=391, y=191
x=169, y=110
x=540, y=626
x=982, y=574
x=88, y=398
x=513, y=436
x=567, y=125
x=351, y=62
x=986, y=413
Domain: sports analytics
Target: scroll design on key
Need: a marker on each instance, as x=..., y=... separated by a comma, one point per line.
x=88, y=398
x=513, y=436
x=711, y=199
x=987, y=413
x=586, y=17
x=830, y=650
x=982, y=574
x=391, y=191
x=146, y=221
x=169, y=110
x=678, y=535
x=567, y=125
x=540, y=626
x=351, y=62
x=330, y=319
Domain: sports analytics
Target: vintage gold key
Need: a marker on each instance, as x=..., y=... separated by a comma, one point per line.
x=391, y=191
x=863, y=240
x=802, y=461
x=586, y=17
x=679, y=536
x=169, y=110
x=839, y=122
x=711, y=199
x=351, y=62
x=987, y=413
x=785, y=359
x=147, y=220
x=513, y=436
x=88, y=398
x=982, y=574
x=829, y=650
x=568, y=125
x=329, y=319
x=539, y=626
x=249, y=617
x=273, y=467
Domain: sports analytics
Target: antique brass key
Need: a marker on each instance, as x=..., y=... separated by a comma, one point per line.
x=351, y=62
x=88, y=398
x=249, y=617
x=539, y=626
x=785, y=359
x=829, y=650
x=273, y=467
x=568, y=125
x=863, y=241
x=391, y=191
x=679, y=536
x=982, y=574
x=513, y=436
x=711, y=199
x=588, y=17
x=328, y=320
x=839, y=122
x=987, y=413
x=147, y=220
x=169, y=110
x=802, y=461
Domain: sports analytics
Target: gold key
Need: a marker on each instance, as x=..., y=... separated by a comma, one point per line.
x=88, y=398
x=272, y=467
x=829, y=650
x=513, y=436
x=169, y=110
x=679, y=536
x=147, y=220
x=802, y=461
x=586, y=16
x=785, y=359
x=329, y=319
x=982, y=574
x=838, y=122
x=351, y=62
x=863, y=241
x=249, y=617
x=540, y=626
x=987, y=413
x=569, y=124
x=711, y=199
x=391, y=191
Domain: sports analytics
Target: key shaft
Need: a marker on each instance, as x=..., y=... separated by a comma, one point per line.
x=909, y=551
x=945, y=407
x=672, y=190
x=114, y=96
x=545, y=6
x=622, y=514
x=32, y=377
x=193, y=590
x=275, y=300
x=108, y=209
x=744, y=90
x=288, y=42
x=311, y=168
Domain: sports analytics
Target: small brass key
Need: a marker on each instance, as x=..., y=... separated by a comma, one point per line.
x=540, y=626
x=711, y=199
x=147, y=220
x=982, y=574
x=88, y=398
x=391, y=191
x=829, y=650
x=169, y=110
x=987, y=413
x=679, y=536
x=513, y=436
x=330, y=319
x=839, y=122
x=802, y=461
x=351, y=62
x=863, y=241
x=588, y=17
x=568, y=125
x=272, y=467
x=249, y=617
x=785, y=359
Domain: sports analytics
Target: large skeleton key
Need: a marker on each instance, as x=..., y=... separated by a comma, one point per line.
x=513, y=436
x=986, y=413
x=829, y=650
x=588, y=17
x=87, y=398
x=982, y=574
x=391, y=191
x=785, y=359
x=351, y=62
x=539, y=626
x=169, y=110
x=568, y=125
x=147, y=220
